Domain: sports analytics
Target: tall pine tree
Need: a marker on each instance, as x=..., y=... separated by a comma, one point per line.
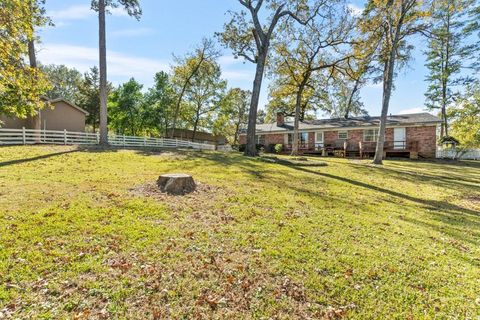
x=446, y=55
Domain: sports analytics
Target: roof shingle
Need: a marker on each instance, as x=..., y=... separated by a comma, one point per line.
x=354, y=122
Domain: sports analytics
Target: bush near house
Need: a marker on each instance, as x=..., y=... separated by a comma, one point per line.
x=278, y=148
x=83, y=234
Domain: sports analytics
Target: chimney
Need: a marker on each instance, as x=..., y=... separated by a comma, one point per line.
x=280, y=119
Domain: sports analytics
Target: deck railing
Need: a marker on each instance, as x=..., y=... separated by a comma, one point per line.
x=31, y=136
x=356, y=146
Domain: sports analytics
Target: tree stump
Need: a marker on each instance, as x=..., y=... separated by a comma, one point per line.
x=176, y=183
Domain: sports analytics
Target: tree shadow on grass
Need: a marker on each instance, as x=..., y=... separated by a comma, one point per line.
x=453, y=179
x=252, y=166
x=41, y=157
x=429, y=204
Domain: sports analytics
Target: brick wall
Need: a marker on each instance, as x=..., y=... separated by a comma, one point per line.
x=274, y=139
x=311, y=138
x=242, y=139
x=426, y=138
x=329, y=137
x=269, y=139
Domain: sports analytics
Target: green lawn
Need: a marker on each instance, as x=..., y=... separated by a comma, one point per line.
x=83, y=234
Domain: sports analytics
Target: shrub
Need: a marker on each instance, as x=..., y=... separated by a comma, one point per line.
x=278, y=148
x=241, y=147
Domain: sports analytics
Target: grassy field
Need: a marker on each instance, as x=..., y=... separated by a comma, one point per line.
x=84, y=234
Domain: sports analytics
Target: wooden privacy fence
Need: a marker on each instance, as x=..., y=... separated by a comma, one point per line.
x=30, y=136
x=471, y=154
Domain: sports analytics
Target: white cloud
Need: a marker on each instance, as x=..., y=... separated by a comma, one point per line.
x=118, y=12
x=137, y=32
x=234, y=69
x=225, y=61
x=375, y=85
x=238, y=75
x=412, y=110
x=121, y=66
x=354, y=9
x=76, y=12
x=80, y=12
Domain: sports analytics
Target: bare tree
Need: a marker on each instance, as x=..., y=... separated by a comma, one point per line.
x=186, y=69
x=251, y=39
x=388, y=23
x=323, y=44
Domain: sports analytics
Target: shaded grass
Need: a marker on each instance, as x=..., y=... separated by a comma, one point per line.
x=269, y=240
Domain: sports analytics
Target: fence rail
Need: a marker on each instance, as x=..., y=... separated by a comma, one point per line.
x=472, y=154
x=30, y=136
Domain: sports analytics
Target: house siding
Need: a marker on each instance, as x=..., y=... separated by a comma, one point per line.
x=58, y=117
x=425, y=136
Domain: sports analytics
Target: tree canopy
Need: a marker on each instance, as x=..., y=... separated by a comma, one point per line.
x=21, y=86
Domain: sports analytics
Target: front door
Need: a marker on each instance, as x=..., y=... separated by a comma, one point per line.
x=399, y=138
x=318, y=140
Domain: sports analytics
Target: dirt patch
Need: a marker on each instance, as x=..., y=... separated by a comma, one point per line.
x=475, y=199
x=205, y=205
x=472, y=202
x=151, y=190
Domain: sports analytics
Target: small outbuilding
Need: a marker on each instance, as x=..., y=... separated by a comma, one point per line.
x=199, y=136
x=59, y=114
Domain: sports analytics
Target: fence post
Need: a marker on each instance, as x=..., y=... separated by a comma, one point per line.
x=124, y=140
x=144, y=141
x=65, y=136
x=23, y=136
x=98, y=137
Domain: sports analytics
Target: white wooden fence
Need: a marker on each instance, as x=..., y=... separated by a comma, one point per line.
x=30, y=136
x=472, y=154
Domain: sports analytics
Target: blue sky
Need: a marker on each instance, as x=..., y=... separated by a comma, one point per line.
x=141, y=48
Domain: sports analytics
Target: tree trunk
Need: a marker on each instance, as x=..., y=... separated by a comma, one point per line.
x=177, y=110
x=251, y=148
x=387, y=91
x=297, y=121
x=31, y=42
x=31, y=54
x=445, y=77
x=35, y=119
x=197, y=116
x=235, y=137
x=103, y=73
x=445, y=121
x=350, y=100
x=176, y=183
x=182, y=93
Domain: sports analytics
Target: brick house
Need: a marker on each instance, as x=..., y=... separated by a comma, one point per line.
x=413, y=135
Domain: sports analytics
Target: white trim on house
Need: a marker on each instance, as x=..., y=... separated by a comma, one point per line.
x=399, y=137
x=375, y=134
x=319, y=141
x=343, y=129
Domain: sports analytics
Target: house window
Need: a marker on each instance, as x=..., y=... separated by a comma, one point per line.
x=343, y=135
x=260, y=139
x=370, y=135
x=302, y=138
x=319, y=139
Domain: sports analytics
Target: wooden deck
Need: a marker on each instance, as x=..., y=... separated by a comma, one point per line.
x=346, y=149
